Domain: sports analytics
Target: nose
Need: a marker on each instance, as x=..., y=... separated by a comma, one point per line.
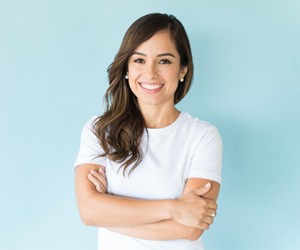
x=151, y=70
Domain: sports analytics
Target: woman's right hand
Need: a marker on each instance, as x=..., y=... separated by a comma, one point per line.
x=98, y=178
x=195, y=211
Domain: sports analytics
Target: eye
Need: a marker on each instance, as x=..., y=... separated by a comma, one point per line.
x=164, y=61
x=139, y=60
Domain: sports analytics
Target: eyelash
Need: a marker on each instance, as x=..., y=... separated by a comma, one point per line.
x=139, y=60
x=162, y=61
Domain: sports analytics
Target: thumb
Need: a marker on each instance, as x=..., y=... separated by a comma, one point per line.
x=203, y=190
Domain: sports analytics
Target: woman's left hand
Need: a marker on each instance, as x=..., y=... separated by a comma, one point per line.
x=98, y=178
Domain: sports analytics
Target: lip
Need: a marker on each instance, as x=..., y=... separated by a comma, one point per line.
x=151, y=87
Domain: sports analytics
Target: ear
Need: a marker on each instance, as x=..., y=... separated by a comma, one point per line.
x=183, y=72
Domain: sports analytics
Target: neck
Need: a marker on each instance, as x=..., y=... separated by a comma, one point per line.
x=158, y=117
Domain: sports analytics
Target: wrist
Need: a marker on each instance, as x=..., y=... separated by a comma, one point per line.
x=171, y=209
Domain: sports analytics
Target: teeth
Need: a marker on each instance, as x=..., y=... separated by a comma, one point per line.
x=151, y=86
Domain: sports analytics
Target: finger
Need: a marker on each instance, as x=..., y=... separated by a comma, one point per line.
x=211, y=212
x=208, y=220
x=99, y=185
x=100, y=176
x=212, y=204
x=102, y=168
x=93, y=179
x=203, y=190
x=203, y=225
x=100, y=188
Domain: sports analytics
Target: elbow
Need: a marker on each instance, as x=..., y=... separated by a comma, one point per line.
x=86, y=217
x=86, y=221
x=90, y=213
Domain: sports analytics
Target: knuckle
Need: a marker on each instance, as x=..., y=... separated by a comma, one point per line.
x=214, y=205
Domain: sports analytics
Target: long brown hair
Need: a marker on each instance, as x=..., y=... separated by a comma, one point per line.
x=119, y=130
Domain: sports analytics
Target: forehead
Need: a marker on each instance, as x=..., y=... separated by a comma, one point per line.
x=160, y=42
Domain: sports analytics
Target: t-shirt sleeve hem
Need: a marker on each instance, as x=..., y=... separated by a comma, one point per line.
x=88, y=160
x=205, y=175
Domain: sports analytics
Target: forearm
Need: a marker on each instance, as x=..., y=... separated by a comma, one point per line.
x=111, y=211
x=162, y=230
x=104, y=210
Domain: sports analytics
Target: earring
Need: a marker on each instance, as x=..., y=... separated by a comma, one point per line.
x=126, y=77
x=181, y=80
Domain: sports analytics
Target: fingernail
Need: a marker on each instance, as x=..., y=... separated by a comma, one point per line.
x=207, y=185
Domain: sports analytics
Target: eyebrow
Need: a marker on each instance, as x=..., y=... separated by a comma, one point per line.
x=159, y=55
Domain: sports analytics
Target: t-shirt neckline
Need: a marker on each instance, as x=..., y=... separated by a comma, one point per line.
x=160, y=131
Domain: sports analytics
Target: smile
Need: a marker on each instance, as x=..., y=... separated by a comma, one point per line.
x=151, y=87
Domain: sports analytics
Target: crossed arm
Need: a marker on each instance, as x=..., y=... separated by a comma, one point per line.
x=183, y=218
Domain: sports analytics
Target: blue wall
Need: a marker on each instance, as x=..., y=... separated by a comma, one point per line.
x=53, y=60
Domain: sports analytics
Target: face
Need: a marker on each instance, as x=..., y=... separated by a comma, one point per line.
x=154, y=71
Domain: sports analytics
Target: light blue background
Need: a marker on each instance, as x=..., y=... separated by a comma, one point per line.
x=53, y=60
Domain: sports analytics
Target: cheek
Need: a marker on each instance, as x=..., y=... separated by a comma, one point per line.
x=173, y=76
x=133, y=74
x=132, y=86
x=133, y=71
x=132, y=81
x=173, y=72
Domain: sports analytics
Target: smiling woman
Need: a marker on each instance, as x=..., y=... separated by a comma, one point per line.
x=154, y=68
x=165, y=196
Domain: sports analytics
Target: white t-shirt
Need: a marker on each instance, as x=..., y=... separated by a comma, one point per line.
x=187, y=148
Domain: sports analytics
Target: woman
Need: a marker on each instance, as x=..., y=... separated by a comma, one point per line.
x=148, y=175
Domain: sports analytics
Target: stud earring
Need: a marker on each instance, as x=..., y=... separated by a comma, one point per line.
x=126, y=77
x=181, y=80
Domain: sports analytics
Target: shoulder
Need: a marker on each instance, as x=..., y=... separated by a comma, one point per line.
x=88, y=128
x=196, y=125
x=198, y=132
x=89, y=124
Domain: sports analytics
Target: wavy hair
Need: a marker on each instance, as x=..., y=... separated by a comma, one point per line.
x=120, y=129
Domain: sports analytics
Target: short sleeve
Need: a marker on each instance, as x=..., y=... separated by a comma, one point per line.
x=90, y=148
x=207, y=158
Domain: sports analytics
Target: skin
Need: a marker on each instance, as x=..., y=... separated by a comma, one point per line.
x=156, y=63
x=154, y=71
x=166, y=229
